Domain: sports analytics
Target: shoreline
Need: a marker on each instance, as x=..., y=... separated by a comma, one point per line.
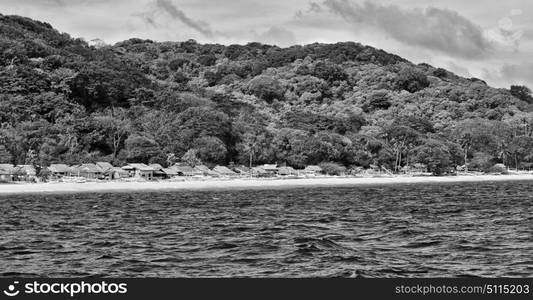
x=241, y=184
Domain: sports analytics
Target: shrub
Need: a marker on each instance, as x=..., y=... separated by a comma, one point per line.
x=411, y=80
x=331, y=168
x=266, y=88
x=499, y=169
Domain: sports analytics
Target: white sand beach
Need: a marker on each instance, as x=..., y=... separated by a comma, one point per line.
x=23, y=188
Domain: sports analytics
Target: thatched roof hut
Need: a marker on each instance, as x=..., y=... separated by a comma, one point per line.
x=59, y=169
x=158, y=169
x=138, y=166
x=186, y=170
x=286, y=171
x=204, y=170
x=243, y=170
x=224, y=171
x=260, y=172
x=313, y=169
x=7, y=169
x=104, y=166
x=6, y=172
x=119, y=171
x=171, y=171
x=91, y=168
x=27, y=170
x=272, y=168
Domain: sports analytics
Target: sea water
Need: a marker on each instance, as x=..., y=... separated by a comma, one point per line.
x=407, y=230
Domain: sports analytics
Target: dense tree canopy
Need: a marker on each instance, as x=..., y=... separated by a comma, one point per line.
x=341, y=105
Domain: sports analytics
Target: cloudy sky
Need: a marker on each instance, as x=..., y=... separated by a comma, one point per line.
x=488, y=39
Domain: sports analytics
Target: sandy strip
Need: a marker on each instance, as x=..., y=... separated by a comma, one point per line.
x=239, y=184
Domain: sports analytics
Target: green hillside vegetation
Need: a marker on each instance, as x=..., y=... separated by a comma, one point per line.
x=62, y=100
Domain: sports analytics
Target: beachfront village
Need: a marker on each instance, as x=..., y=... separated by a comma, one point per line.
x=138, y=172
x=105, y=171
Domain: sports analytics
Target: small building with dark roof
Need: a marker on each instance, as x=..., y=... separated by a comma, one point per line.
x=158, y=170
x=59, y=170
x=224, y=171
x=312, y=170
x=287, y=171
x=260, y=172
x=242, y=170
x=139, y=170
x=271, y=168
x=26, y=172
x=7, y=172
x=90, y=171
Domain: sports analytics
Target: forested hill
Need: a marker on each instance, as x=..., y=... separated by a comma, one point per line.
x=62, y=100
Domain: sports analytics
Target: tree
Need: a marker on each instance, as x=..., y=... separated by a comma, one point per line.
x=211, y=149
x=139, y=148
x=401, y=139
x=332, y=168
x=266, y=88
x=249, y=147
x=290, y=147
x=191, y=158
x=5, y=156
x=171, y=159
x=522, y=92
x=474, y=134
x=325, y=146
x=329, y=71
x=520, y=150
x=411, y=79
x=482, y=161
x=117, y=125
x=435, y=155
x=521, y=123
x=377, y=100
x=197, y=122
x=253, y=139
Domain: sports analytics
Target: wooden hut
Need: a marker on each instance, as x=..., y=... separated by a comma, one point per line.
x=171, y=172
x=224, y=171
x=7, y=172
x=59, y=170
x=312, y=170
x=90, y=171
x=270, y=168
x=140, y=171
x=185, y=170
x=104, y=166
x=118, y=173
x=202, y=169
x=260, y=172
x=26, y=172
x=158, y=171
x=287, y=171
x=108, y=170
x=205, y=171
x=242, y=170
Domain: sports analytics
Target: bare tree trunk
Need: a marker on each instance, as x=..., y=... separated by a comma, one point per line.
x=466, y=159
x=114, y=148
x=251, y=163
x=400, y=160
x=396, y=161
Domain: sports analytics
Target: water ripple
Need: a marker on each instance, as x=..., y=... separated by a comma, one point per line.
x=427, y=230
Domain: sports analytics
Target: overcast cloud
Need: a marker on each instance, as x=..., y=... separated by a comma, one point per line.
x=168, y=7
x=489, y=39
x=436, y=29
